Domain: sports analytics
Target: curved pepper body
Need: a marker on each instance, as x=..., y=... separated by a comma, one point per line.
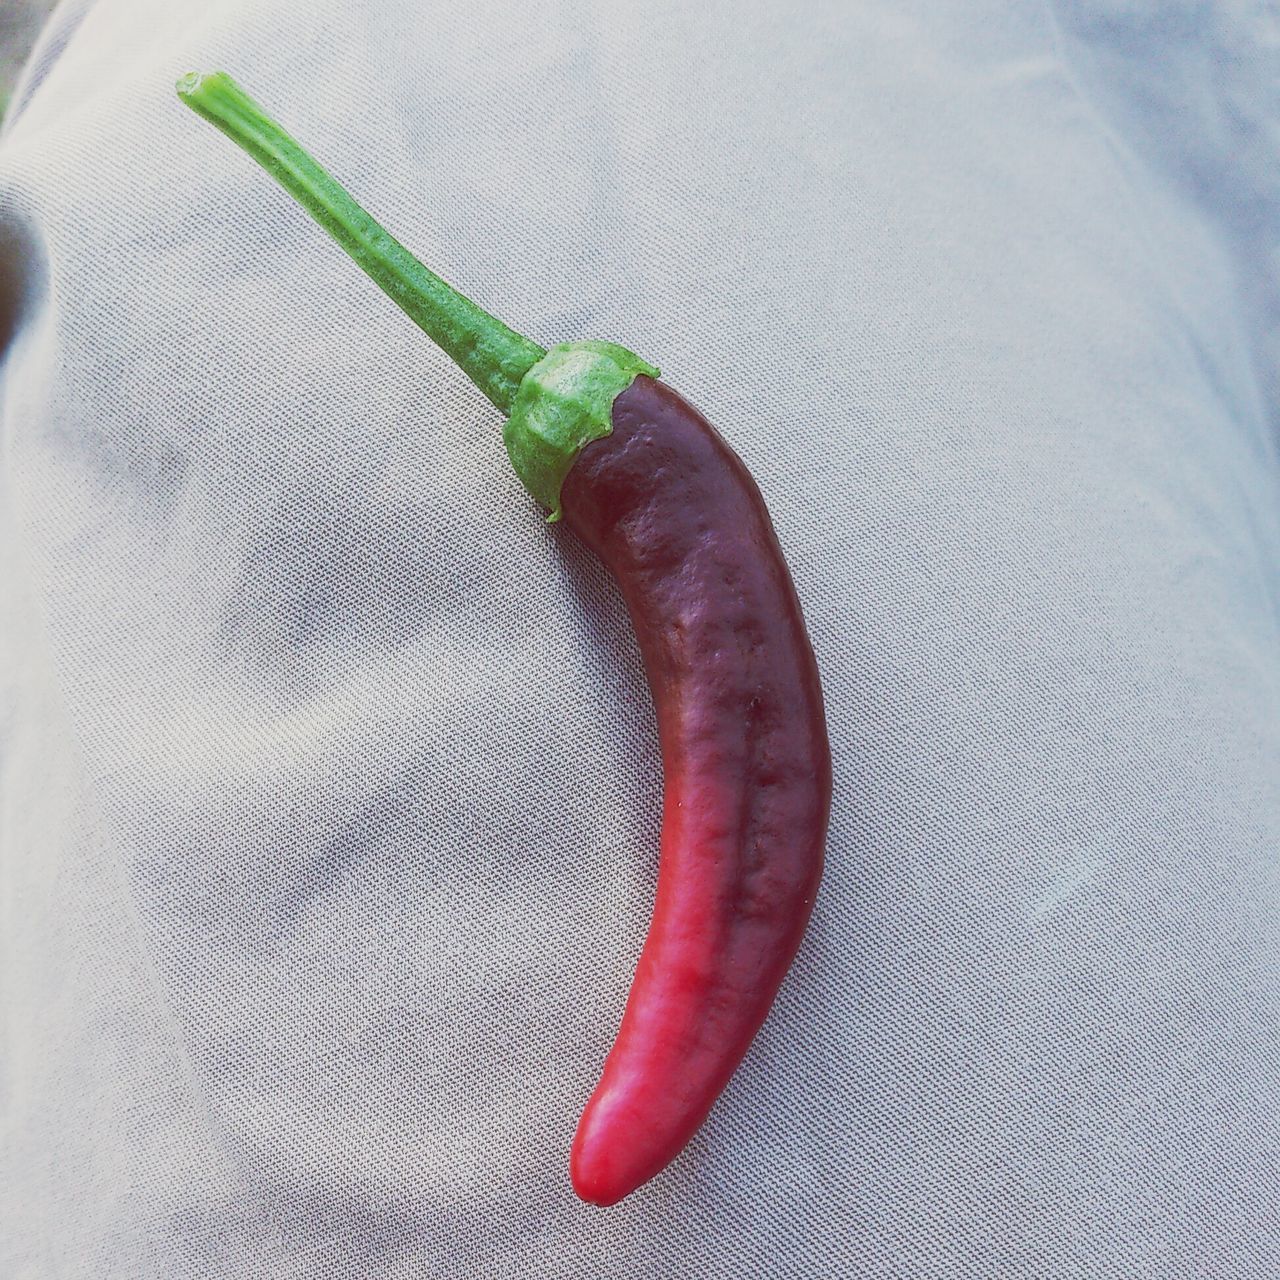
x=673, y=513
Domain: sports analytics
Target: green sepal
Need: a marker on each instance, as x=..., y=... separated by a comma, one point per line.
x=563, y=403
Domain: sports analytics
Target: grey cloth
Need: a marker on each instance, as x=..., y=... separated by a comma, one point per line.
x=330, y=786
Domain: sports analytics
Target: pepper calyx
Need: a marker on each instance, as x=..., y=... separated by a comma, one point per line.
x=563, y=403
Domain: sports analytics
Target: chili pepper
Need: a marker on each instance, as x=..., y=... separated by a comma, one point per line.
x=647, y=483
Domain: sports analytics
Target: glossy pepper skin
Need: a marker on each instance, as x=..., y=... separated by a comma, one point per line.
x=675, y=516
x=647, y=483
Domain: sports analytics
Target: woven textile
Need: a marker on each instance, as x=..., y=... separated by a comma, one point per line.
x=330, y=787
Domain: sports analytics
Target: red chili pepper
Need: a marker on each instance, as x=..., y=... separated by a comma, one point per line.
x=668, y=507
x=674, y=515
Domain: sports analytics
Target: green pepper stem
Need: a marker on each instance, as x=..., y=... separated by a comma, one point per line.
x=494, y=357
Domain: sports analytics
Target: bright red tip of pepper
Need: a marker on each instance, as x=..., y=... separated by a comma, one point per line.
x=601, y=1169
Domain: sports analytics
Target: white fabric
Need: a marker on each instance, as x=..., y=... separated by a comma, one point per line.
x=330, y=787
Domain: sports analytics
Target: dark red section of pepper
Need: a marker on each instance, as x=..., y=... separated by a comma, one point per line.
x=678, y=520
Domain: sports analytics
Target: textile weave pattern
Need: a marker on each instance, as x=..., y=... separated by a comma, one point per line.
x=329, y=786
